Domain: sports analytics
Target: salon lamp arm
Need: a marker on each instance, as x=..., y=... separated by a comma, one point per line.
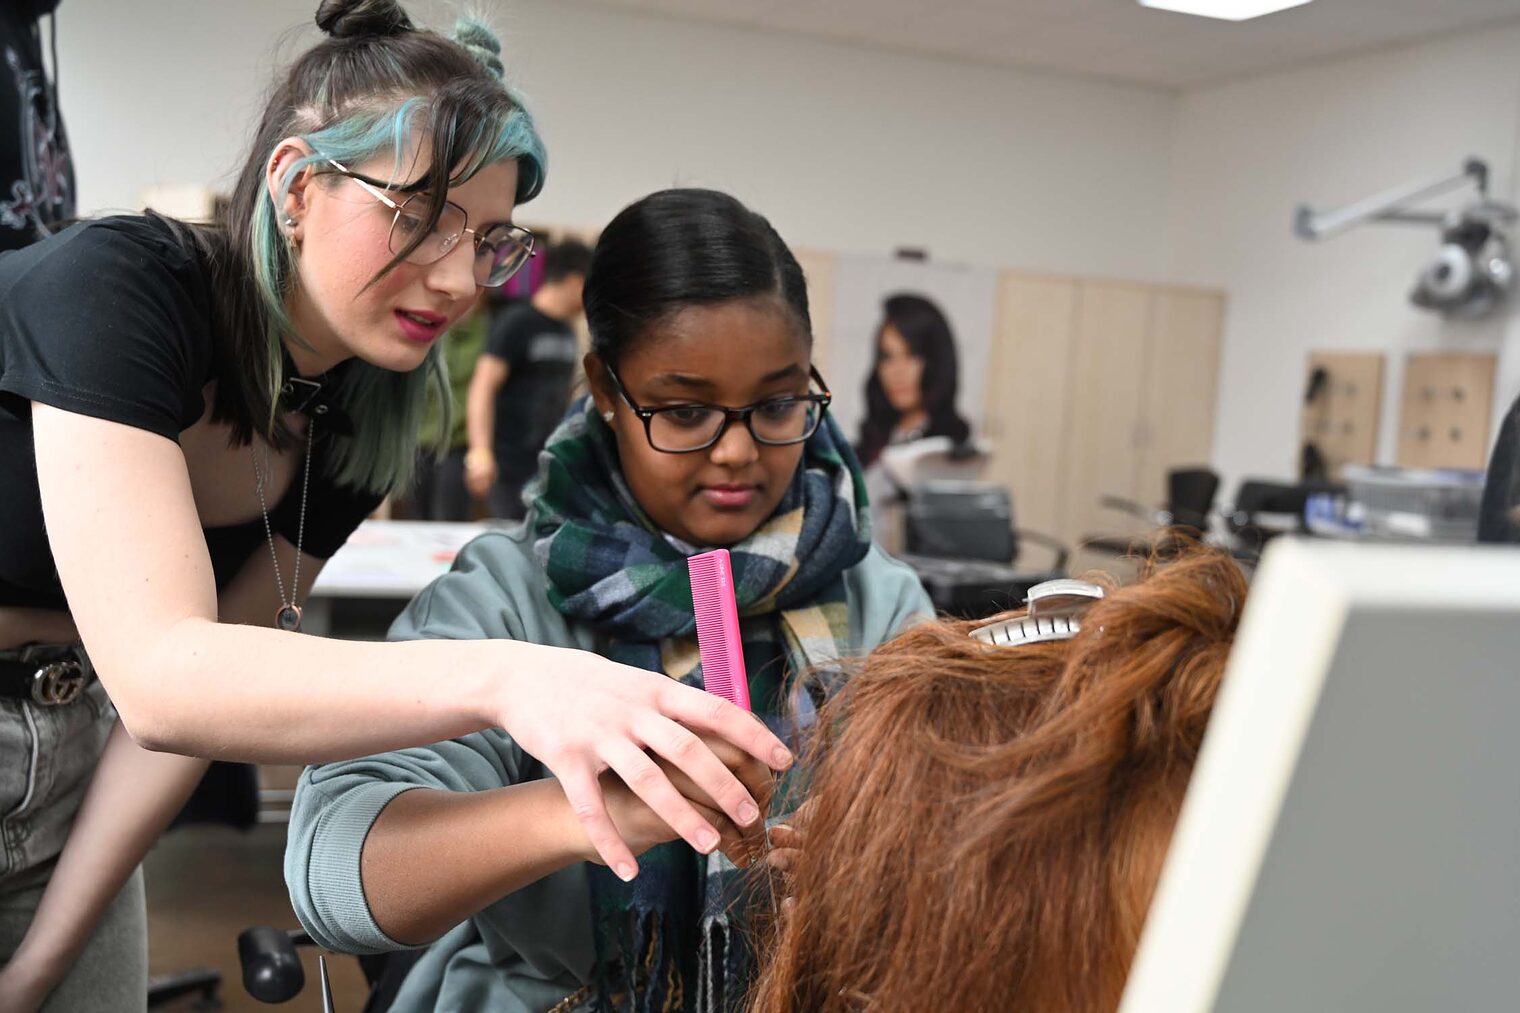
x=1061, y=549
x=1389, y=206
x=1123, y=504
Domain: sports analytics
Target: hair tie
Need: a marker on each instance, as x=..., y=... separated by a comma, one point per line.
x=477, y=37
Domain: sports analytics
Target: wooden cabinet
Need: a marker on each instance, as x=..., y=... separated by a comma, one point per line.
x=1342, y=407
x=1445, y=410
x=822, y=274
x=1101, y=438
x=1029, y=375
x=1181, y=375
x=1098, y=388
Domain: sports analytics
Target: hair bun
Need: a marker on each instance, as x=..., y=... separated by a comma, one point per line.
x=358, y=19
x=481, y=41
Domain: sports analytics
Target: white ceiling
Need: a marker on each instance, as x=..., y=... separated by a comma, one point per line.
x=1116, y=39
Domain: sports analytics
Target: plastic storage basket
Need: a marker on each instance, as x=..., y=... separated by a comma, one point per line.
x=1412, y=503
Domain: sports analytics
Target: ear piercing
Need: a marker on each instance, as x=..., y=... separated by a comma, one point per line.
x=607, y=415
x=290, y=222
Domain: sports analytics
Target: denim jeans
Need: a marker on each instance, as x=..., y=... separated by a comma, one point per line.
x=47, y=757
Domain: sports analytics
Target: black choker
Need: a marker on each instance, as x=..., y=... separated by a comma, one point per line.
x=313, y=398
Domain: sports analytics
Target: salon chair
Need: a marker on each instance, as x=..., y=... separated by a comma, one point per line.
x=272, y=970
x=904, y=467
x=1189, y=502
x=1264, y=510
x=933, y=458
x=962, y=543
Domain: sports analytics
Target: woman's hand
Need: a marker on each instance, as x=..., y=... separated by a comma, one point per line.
x=581, y=715
x=642, y=829
x=479, y=472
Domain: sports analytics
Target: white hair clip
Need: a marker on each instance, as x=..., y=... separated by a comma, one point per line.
x=1055, y=613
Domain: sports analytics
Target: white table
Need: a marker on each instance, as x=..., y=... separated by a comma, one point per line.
x=386, y=560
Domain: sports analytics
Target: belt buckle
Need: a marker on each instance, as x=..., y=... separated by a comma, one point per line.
x=58, y=683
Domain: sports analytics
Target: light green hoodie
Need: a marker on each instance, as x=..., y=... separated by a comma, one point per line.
x=526, y=951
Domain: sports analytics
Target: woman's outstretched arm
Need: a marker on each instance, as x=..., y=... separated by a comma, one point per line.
x=124, y=532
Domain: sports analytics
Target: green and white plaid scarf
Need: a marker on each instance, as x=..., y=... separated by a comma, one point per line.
x=666, y=941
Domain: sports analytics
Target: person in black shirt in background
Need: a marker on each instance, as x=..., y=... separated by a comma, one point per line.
x=192, y=419
x=522, y=382
x=36, y=175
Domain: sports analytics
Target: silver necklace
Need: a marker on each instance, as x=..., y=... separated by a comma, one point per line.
x=288, y=617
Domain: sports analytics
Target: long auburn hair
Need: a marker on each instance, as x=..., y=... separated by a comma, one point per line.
x=989, y=822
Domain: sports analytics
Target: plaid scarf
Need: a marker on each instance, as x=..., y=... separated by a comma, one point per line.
x=669, y=939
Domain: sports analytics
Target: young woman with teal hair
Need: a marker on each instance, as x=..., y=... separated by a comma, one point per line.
x=191, y=420
x=707, y=425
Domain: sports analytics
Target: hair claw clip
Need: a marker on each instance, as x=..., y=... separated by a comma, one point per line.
x=1055, y=613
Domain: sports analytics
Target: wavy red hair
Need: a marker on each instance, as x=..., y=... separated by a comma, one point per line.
x=989, y=822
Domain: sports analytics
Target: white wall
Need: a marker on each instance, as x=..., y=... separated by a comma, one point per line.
x=855, y=149
x=1247, y=152
x=845, y=148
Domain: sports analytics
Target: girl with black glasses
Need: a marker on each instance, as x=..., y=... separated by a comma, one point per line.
x=707, y=426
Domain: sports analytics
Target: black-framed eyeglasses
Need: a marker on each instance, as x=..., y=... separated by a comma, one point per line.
x=774, y=422
x=500, y=251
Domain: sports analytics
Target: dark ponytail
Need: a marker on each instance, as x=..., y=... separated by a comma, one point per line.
x=679, y=248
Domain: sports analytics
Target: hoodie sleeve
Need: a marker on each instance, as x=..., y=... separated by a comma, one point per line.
x=492, y=592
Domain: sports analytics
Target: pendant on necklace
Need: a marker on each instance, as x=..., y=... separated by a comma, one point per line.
x=288, y=618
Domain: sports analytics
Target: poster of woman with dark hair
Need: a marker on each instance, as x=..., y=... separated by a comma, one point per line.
x=910, y=349
x=911, y=394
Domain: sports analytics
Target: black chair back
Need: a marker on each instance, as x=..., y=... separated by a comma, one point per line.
x=961, y=520
x=1190, y=496
x=1257, y=501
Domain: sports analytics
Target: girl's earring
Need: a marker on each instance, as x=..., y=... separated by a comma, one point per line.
x=607, y=416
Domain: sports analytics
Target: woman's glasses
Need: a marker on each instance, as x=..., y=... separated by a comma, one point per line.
x=499, y=250
x=686, y=428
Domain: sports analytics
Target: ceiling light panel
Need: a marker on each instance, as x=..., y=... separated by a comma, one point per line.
x=1224, y=10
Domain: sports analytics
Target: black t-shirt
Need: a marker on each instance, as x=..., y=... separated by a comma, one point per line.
x=540, y=354
x=36, y=176
x=114, y=319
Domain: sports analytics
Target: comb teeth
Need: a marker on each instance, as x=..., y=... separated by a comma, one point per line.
x=712, y=598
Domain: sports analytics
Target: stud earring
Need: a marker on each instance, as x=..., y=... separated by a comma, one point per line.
x=607, y=416
x=290, y=222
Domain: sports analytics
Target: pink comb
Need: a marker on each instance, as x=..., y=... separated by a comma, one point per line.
x=712, y=596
